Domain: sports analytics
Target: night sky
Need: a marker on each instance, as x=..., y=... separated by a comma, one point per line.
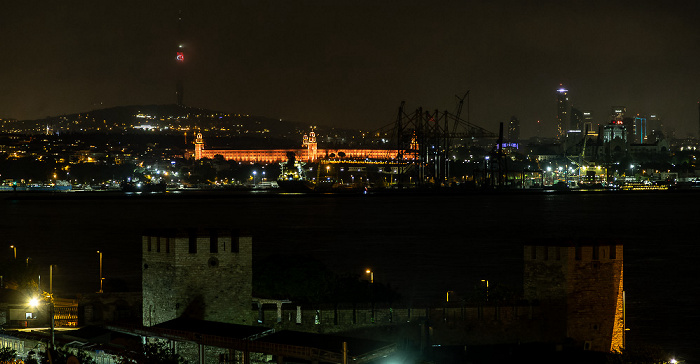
x=351, y=63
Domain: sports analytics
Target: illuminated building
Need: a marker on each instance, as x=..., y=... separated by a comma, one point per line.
x=640, y=129
x=588, y=129
x=614, y=130
x=513, y=129
x=309, y=152
x=563, y=108
x=655, y=128
x=583, y=282
x=203, y=274
x=617, y=113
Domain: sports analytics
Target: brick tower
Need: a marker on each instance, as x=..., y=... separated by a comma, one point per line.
x=584, y=280
x=198, y=273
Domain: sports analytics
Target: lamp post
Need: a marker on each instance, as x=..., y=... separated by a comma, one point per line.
x=100, y=253
x=632, y=167
x=14, y=248
x=254, y=174
x=371, y=275
x=51, y=312
x=487, y=288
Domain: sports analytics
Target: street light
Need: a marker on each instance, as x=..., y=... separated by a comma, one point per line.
x=487, y=288
x=53, y=343
x=632, y=167
x=15, y=250
x=371, y=275
x=101, y=279
x=254, y=173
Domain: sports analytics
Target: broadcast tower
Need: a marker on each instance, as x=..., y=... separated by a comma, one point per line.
x=180, y=60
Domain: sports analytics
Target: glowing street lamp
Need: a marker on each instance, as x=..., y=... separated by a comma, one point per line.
x=14, y=248
x=254, y=174
x=371, y=275
x=487, y=288
x=101, y=279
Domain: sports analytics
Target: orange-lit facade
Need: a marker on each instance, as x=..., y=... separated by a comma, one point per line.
x=309, y=152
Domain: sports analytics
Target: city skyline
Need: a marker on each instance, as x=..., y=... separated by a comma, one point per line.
x=351, y=64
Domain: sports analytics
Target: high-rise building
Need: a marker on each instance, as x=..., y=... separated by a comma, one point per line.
x=563, y=109
x=513, y=129
x=576, y=119
x=617, y=113
x=640, y=129
x=588, y=127
x=655, y=127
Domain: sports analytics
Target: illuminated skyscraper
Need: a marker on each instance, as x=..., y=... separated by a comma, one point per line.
x=513, y=129
x=563, y=109
x=617, y=113
x=640, y=129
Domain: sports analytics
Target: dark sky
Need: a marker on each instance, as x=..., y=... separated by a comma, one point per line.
x=350, y=63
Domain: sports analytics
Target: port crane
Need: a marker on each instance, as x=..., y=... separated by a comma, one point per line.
x=425, y=138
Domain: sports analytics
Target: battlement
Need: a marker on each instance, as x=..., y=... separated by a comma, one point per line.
x=567, y=252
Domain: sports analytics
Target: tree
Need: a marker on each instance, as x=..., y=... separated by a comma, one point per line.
x=7, y=354
x=153, y=353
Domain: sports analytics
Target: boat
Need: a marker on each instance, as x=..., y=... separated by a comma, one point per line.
x=293, y=177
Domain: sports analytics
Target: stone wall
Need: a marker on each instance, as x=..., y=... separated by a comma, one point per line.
x=204, y=277
x=586, y=280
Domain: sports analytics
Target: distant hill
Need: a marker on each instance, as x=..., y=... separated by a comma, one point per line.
x=217, y=126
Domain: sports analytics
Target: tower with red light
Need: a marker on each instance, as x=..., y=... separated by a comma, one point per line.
x=180, y=60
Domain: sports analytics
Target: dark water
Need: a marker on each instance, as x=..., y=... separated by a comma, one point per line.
x=422, y=245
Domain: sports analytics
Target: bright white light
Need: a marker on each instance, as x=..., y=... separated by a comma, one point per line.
x=34, y=302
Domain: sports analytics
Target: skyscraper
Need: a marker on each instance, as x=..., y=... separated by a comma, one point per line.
x=576, y=117
x=563, y=108
x=617, y=113
x=513, y=129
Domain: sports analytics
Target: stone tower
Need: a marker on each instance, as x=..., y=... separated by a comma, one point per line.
x=582, y=280
x=198, y=273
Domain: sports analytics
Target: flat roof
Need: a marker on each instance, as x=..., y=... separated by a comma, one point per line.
x=232, y=331
x=327, y=342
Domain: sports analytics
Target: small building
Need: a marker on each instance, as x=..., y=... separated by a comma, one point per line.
x=21, y=310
